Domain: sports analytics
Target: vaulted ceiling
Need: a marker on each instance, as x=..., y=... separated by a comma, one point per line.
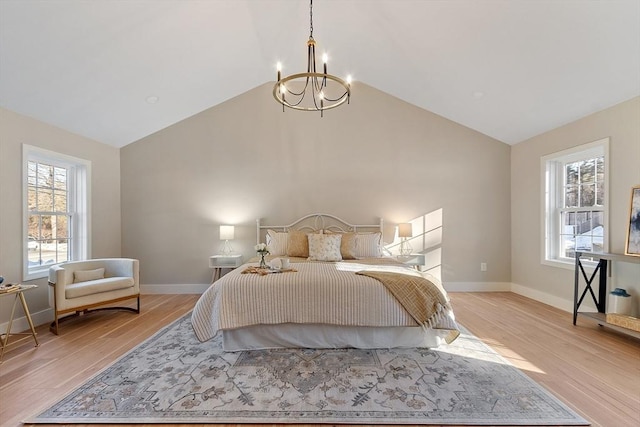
x=510, y=69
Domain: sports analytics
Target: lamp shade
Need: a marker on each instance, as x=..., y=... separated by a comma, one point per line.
x=226, y=232
x=405, y=230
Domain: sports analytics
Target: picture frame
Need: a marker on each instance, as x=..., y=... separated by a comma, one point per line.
x=633, y=232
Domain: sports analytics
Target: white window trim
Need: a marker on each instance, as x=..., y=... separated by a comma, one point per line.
x=548, y=189
x=82, y=191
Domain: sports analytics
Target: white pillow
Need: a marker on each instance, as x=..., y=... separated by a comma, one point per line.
x=324, y=247
x=368, y=245
x=277, y=242
x=88, y=275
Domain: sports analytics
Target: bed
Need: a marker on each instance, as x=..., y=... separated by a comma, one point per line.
x=340, y=291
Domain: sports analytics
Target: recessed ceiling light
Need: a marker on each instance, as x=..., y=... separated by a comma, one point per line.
x=152, y=99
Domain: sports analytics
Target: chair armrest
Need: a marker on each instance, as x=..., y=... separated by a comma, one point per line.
x=122, y=267
x=58, y=275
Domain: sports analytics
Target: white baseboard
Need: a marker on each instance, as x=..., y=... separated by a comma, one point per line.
x=543, y=297
x=20, y=324
x=46, y=316
x=174, y=289
x=477, y=286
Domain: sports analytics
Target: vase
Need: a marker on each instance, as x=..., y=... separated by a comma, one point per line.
x=263, y=264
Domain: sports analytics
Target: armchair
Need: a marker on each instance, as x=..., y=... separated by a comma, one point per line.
x=81, y=286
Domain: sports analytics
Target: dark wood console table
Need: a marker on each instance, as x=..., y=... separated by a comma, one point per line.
x=600, y=300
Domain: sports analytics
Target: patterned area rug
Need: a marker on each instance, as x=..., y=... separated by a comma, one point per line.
x=173, y=378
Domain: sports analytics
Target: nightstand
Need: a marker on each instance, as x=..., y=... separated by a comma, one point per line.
x=218, y=262
x=414, y=260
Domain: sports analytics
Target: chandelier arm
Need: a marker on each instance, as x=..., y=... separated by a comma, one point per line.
x=311, y=54
x=316, y=86
x=315, y=102
x=336, y=99
x=299, y=93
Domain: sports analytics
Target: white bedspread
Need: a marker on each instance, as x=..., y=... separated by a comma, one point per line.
x=320, y=293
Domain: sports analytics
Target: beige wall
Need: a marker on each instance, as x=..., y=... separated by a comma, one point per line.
x=15, y=130
x=378, y=157
x=622, y=124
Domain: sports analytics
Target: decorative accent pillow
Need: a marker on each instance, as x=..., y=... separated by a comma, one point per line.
x=277, y=242
x=298, y=244
x=347, y=244
x=368, y=245
x=324, y=247
x=87, y=275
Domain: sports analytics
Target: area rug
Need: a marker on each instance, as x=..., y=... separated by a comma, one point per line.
x=173, y=378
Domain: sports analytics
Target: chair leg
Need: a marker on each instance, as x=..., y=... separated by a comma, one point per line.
x=54, y=325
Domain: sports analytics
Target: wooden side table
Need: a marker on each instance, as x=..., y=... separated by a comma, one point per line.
x=218, y=262
x=19, y=295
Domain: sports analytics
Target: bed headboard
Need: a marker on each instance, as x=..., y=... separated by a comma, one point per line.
x=315, y=222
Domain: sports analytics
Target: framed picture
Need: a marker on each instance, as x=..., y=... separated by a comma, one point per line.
x=633, y=233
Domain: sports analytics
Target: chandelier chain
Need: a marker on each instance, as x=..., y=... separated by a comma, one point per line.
x=311, y=19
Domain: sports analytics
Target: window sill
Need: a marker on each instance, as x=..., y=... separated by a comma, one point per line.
x=568, y=265
x=38, y=274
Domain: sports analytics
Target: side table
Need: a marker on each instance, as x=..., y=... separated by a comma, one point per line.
x=218, y=262
x=19, y=295
x=414, y=260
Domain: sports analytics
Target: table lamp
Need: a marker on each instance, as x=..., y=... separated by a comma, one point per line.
x=405, y=230
x=226, y=234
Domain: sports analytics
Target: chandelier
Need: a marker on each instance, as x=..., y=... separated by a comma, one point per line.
x=311, y=91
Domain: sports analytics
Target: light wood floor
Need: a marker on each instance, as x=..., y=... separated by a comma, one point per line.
x=595, y=372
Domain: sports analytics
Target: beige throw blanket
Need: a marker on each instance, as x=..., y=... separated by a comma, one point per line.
x=422, y=299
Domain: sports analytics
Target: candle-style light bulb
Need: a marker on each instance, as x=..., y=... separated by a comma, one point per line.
x=321, y=95
x=325, y=58
x=279, y=68
x=349, y=79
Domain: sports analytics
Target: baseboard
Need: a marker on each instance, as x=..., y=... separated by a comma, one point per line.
x=46, y=316
x=477, y=286
x=174, y=289
x=543, y=297
x=20, y=324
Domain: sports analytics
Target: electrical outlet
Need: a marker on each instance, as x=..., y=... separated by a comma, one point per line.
x=483, y=266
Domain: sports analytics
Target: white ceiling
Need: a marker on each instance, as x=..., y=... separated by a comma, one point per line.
x=510, y=69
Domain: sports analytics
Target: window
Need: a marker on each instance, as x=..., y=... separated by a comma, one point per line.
x=575, y=202
x=56, y=219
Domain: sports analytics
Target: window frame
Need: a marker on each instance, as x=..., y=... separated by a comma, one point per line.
x=78, y=200
x=552, y=173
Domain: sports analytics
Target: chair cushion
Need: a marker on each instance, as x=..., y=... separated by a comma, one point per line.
x=82, y=289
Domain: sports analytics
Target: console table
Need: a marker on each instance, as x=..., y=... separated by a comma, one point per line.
x=600, y=300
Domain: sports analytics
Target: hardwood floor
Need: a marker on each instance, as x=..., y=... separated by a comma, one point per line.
x=595, y=372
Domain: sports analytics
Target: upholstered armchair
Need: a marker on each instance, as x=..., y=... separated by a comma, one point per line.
x=81, y=286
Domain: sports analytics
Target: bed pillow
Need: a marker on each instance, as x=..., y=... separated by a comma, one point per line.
x=277, y=242
x=87, y=275
x=347, y=244
x=368, y=245
x=298, y=244
x=324, y=247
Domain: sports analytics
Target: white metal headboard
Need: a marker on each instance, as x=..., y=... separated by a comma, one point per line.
x=318, y=221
